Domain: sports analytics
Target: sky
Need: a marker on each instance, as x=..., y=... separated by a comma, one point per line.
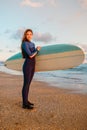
x=52, y=21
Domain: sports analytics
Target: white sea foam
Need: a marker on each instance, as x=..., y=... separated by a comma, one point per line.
x=75, y=78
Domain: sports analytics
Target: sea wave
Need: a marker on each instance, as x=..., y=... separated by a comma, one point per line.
x=75, y=78
x=80, y=68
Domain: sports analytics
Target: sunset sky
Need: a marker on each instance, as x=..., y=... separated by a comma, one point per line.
x=53, y=21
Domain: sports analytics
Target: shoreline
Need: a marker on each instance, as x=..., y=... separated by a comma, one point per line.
x=55, y=108
x=74, y=84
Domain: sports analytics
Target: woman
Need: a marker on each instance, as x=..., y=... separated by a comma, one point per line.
x=28, y=52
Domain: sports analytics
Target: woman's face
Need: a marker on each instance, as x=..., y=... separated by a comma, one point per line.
x=29, y=35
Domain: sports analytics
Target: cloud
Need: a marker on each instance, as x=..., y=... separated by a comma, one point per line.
x=52, y=2
x=83, y=3
x=43, y=37
x=38, y=36
x=18, y=34
x=30, y=3
x=11, y=51
x=38, y=4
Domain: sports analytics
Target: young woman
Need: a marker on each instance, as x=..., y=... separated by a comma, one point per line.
x=28, y=52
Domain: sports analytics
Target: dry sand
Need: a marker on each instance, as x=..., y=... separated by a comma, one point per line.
x=55, y=109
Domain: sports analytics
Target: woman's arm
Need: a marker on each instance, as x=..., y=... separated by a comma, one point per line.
x=27, y=50
x=37, y=50
x=33, y=55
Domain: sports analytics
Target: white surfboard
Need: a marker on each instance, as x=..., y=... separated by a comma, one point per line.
x=52, y=57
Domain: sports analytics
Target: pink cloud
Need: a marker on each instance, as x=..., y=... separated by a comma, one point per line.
x=83, y=3
x=38, y=36
x=32, y=4
x=38, y=4
x=52, y=2
x=43, y=37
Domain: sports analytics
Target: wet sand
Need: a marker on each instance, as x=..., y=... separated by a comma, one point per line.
x=55, y=109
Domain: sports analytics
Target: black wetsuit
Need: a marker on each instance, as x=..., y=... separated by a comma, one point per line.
x=28, y=49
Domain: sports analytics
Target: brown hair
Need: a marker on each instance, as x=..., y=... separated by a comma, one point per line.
x=25, y=39
x=24, y=36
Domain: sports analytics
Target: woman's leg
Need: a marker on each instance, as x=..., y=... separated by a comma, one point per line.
x=32, y=74
x=27, y=71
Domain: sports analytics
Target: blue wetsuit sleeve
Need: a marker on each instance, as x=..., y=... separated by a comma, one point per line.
x=27, y=49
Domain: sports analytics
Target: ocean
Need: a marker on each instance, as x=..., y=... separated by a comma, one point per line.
x=74, y=79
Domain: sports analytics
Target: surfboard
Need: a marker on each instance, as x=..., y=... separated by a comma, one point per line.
x=51, y=57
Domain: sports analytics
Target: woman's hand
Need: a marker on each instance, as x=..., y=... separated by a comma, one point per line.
x=38, y=48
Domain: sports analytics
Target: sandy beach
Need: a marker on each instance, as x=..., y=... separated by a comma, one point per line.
x=55, y=109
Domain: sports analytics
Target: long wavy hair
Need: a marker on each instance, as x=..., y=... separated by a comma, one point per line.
x=24, y=38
